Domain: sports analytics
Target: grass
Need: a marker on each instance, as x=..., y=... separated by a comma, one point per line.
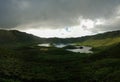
x=40, y=64
x=101, y=42
x=31, y=64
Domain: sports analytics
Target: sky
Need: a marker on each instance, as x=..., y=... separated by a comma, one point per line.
x=60, y=18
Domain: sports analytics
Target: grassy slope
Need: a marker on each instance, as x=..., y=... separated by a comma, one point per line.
x=104, y=65
x=101, y=43
x=39, y=64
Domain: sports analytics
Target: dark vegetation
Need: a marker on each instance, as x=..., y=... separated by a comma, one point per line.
x=22, y=61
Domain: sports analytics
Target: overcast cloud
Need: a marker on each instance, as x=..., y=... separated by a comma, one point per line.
x=58, y=13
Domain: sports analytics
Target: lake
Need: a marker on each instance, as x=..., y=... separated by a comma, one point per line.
x=55, y=45
x=76, y=49
x=81, y=49
x=44, y=45
x=60, y=45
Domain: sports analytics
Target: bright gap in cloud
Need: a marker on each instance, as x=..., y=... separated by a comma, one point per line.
x=75, y=31
x=60, y=33
x=84, y=28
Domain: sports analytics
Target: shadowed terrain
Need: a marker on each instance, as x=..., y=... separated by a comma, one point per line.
x=21, y=60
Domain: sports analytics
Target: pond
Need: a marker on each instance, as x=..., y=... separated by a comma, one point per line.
x=44, y=45
x=81, y=49
x=55, y=45
x=60, y=45
x=69, y=47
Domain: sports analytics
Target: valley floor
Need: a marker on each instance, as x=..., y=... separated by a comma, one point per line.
x=41, y=64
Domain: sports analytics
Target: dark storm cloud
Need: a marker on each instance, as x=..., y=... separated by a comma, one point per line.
x=53, y=13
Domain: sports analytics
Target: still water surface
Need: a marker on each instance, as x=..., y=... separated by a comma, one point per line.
x=77, y=49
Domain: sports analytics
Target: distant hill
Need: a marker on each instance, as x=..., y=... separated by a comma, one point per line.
x=29, y=63
x=14, y=36
x=101, y=40
x=101, y=36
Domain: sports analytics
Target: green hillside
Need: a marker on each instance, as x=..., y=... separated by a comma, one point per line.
x=101, y=42
x=14, y=36
x=32, y=63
